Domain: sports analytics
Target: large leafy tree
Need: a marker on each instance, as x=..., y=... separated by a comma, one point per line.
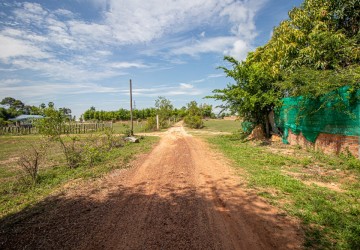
x=320, y=38
x=253, y=96
x=14, y=107
x=312, y=53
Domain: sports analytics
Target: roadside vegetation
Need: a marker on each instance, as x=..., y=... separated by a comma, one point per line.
x=322, y=191
x=17, y=189
x=194, y=116
x=311, y=54
x=34, y=166
x=219, y=125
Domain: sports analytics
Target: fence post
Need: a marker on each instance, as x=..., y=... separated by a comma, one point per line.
x=157, y=122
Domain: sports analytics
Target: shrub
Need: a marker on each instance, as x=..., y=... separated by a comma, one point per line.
x=150, y=124
x=30, y=161
x=194, y=121
x=72, y=151
x=93, y=151
x=110, y=140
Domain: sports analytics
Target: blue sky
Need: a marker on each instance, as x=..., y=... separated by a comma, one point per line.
x=82, y=53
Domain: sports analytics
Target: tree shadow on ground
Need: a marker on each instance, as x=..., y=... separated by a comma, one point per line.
x=144, y=218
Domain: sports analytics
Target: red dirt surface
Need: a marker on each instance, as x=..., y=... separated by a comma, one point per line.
x=182, y=195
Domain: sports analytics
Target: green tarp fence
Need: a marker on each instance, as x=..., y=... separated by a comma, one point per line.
x=247, y=127
x=337, y=112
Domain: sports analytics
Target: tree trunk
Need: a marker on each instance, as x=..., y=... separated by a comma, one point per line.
x=267, y=127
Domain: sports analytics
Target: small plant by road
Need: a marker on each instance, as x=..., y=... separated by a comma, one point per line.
x=30, y=161
x=321, y=190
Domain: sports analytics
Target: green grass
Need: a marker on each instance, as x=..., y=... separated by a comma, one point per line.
x=222, y=125
x=11, y=145
x=16, y=194
x=121, y=127
x=331, y=219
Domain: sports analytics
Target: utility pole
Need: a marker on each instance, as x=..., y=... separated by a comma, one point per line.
x=157, y=122
x=131, y=113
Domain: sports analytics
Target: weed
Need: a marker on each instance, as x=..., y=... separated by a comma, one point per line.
x=16, y=195
x=222, y=125
x=194, y=121
x=305, y=162
x=330, y=219
x=29, y=161
x=150, y=124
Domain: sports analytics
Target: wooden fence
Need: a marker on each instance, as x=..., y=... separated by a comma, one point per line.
x=76, y=128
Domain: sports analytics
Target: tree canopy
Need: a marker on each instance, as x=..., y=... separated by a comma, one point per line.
x=13, y=107
x=313, y=52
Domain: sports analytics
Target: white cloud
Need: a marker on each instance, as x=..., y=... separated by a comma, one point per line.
x=186, y=86
x=217, y=44
x=35, y=89
x=30, y=13
x=91, y=33
x=215, y=75
x=7, y=82
x=99, y=4
x=34, y=8
x=125, y=65
x=11, y=47
x=32, y=89
x=144, y=21
x=137, y=21
x=59, y=45
x=181, y=89
x=58, y=70
x=64, y=13
x=197, y=81
x=241, y=14
x=239, y=50
x=103, y=52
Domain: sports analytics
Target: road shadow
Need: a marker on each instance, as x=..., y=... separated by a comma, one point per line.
x=138, y=218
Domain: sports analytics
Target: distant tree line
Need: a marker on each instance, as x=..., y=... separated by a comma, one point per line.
x=119, y=115
x=163, y=108
x=12, y=108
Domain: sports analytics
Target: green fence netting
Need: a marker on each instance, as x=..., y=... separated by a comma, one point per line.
x=337, y=112
x=247, y=127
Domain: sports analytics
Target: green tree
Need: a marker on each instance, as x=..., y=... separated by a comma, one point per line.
x=14, y=107
x=66, y=112
x=193, y=119
x=51, y=105
x=53, y=126
x=206, y=111
x=318, y=36
x=314, y=52
x=253, y=96
x=12, y=103
x=193, y=109
x=164, y=109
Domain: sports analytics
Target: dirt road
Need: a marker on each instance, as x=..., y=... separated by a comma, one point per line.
x=182, y=195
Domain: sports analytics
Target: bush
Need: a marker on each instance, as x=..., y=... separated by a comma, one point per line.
x=110, y=140
x=29, y=161
x=194, y=121
x=93, y=151
x=72, y=151
x=150, y=124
